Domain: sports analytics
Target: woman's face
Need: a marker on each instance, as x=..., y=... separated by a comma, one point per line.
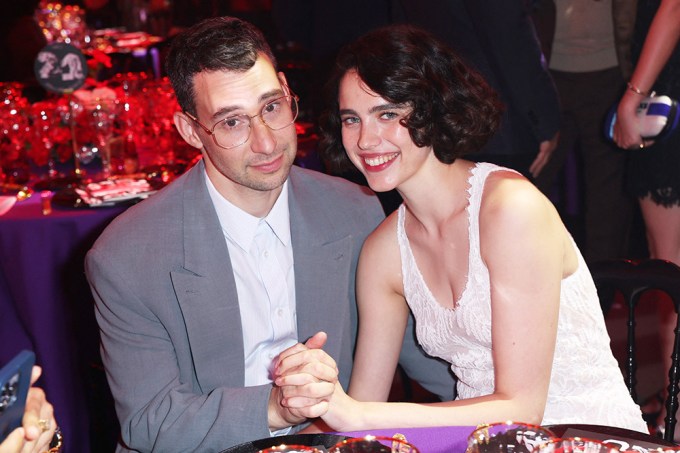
x=374, y=138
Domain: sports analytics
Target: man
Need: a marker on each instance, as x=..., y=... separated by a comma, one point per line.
x=497, y=38
x=200, y=287
x=590, y=59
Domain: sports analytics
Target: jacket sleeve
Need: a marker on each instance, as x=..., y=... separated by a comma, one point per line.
x=508, y=36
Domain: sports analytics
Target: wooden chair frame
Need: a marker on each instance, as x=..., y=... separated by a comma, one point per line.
x=632, y=279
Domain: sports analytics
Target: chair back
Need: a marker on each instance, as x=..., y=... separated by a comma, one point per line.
x=632, y=279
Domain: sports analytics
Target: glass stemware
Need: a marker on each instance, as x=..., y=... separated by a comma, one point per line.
x=290, y=449
x=576, y=445
x=507, y=436
x=95, y=127
x=43, y=123
x=14, y=133
x=374, y=444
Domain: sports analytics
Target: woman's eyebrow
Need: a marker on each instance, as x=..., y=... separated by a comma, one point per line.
x=374, y=109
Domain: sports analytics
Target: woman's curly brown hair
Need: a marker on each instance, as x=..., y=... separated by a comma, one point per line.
x=453, y=108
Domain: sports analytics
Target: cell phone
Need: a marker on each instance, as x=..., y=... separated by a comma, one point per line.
x=15, y=380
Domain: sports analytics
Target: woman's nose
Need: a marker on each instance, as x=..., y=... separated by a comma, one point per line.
x=368, y=138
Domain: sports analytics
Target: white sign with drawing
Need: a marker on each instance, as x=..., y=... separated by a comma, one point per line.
x=60, y=68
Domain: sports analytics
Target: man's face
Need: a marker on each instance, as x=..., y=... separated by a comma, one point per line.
x=259, y=166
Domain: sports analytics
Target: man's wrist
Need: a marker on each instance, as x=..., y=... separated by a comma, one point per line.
x=278, y=416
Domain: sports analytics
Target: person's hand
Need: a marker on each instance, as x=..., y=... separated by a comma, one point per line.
x=344, y=412
x=13, y=442
x=545, y=150
x=38, y=423
x=626, y=134
x=305, y=377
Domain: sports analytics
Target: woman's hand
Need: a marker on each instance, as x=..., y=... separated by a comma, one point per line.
x=626, y=134
x=344, y=413
x=38, y=423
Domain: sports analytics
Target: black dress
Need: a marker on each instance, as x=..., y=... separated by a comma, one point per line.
x=655, y=170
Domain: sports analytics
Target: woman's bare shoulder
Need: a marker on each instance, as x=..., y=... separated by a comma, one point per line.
x=507, y=193
x=380, y=259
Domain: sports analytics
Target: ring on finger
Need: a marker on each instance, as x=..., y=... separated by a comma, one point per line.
x=44, y=424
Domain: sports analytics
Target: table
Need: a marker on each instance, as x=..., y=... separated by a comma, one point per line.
x=46, y=306
x=443, y=439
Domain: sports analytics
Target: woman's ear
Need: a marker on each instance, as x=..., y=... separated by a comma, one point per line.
x=187, y=130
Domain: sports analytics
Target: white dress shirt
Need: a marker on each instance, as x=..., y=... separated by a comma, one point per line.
x=262, y=259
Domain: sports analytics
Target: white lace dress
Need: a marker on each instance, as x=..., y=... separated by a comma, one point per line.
x=586, y=385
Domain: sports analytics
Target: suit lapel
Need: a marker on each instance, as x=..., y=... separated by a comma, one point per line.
x=322, y=266
x=206, y=291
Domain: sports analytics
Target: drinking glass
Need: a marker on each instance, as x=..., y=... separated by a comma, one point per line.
x=43, y=120
x=14, y=133
x=95, y=124
x=507, y=437
x=374, y=444
x=576, y=445
x=290, y=449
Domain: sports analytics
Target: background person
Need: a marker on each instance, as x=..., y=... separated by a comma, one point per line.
x=652, y=172
x=589, y=46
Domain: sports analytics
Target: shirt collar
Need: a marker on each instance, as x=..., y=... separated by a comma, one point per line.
x=240, y=226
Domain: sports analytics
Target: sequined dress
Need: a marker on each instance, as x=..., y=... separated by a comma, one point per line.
x=586, y=385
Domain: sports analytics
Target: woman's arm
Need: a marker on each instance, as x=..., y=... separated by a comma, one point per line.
x=383, y=315
x=523, y=245
x=661, y=39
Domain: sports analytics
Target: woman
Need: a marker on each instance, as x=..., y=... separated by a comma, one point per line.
x=496, y=284
x=653, y=173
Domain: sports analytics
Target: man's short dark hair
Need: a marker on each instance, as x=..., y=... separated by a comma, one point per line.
x=216, y=44
x=453, y=108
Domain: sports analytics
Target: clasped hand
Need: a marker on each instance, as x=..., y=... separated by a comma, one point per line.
x=304, y=380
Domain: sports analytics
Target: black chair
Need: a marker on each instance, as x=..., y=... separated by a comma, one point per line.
x=631, y=279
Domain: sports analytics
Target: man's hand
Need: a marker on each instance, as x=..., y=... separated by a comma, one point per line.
x=545, y=150
x=305, y=378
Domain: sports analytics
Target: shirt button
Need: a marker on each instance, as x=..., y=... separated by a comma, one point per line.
x=266, y=253
x=279, y=311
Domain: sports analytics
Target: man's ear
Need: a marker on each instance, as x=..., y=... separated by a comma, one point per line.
x=284, y=83
x=187, y=130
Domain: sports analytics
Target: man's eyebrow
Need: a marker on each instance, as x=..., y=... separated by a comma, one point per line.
x=221, y=113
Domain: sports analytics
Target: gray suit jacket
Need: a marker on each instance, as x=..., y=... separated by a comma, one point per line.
x=169, y=316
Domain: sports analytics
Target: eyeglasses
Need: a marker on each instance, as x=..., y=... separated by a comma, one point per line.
x=234, y=130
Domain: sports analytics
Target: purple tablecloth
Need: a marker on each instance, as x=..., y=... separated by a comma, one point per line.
x=445, y=439
x=46, y=306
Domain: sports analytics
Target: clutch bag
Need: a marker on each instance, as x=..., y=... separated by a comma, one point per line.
x=657, y=118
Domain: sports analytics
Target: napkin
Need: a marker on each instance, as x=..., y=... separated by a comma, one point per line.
x=6, y=203
x=112, y=191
